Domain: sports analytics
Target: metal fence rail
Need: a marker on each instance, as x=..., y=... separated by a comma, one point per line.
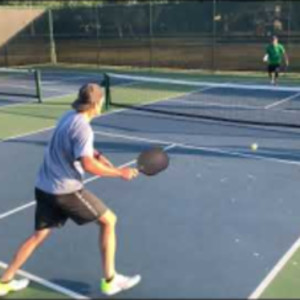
x=212, y=35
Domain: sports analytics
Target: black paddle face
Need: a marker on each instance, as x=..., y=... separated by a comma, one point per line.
x=151, y=162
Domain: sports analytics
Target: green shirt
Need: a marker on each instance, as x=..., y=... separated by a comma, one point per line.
x=275, y=53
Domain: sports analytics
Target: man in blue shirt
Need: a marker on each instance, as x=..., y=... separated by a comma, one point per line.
x=60, y=193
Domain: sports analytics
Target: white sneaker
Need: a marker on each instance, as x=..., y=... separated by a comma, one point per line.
x=119, y=283
x=13, y=286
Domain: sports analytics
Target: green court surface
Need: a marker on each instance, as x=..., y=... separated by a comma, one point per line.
x=25, y=118
x=142, y=93
x=286, y=284
x=36, y=291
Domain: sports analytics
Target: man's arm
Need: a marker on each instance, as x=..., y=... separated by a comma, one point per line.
x=96, y=167
x=266, y=56
x=100, y=157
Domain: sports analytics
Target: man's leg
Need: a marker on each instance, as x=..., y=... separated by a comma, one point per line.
x=24, y=252
x=113, y=282
x=270, y=73
x=84, y=207
x=276, y=74
x=107, y=240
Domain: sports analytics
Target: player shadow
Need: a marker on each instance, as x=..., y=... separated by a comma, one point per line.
x=171, y=124
x=75, y=286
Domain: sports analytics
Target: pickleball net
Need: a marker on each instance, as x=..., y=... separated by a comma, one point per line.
x=251, y=104
x=20, y=83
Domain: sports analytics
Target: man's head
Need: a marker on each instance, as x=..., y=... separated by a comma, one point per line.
x=90, y=99
x=274, y=40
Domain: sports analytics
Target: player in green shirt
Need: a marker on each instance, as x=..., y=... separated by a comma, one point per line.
x=274, y=53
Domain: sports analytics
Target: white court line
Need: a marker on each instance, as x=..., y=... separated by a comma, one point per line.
x=207, y=149
x=172, y=145
x=40, y=280
x=282, y=101
x=203, y=103
x=278, y=267
x=48, y=99
x=274, y=272
x=166, y=99
x=14, y=211
x=239, y=154
x=200, y=148
x=130, y=137
x=101, y=116
x=29, y=204
x=27, y=134
x=51, y=127
x=129, y=163
x=48, y=284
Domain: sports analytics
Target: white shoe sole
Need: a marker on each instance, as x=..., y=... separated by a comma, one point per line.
x=23, y=284
x=133, y=282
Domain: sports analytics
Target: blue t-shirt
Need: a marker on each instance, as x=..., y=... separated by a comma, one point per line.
x=61, y=171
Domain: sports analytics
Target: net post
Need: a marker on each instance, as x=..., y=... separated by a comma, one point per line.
x=106, y=85
x=37, y=75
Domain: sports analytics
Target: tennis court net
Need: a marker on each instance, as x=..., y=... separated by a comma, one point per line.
x=25, y=83
x=251, y=104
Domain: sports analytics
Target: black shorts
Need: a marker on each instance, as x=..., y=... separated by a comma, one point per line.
x=54, y=210
x=274, y=68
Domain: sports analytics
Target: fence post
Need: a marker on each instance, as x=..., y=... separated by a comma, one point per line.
x=53, y=56
x=214, y=37
x=150, y=35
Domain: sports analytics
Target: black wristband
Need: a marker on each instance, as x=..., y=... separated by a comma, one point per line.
x=97, y=154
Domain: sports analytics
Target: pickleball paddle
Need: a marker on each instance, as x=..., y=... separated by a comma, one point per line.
x=152, y=161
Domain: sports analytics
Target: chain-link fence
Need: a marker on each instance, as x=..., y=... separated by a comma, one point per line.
x=212, y=35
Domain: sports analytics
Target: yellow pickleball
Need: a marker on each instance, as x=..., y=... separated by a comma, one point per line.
x=254, y=147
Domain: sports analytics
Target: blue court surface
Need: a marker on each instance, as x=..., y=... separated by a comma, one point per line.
x=212, y=225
